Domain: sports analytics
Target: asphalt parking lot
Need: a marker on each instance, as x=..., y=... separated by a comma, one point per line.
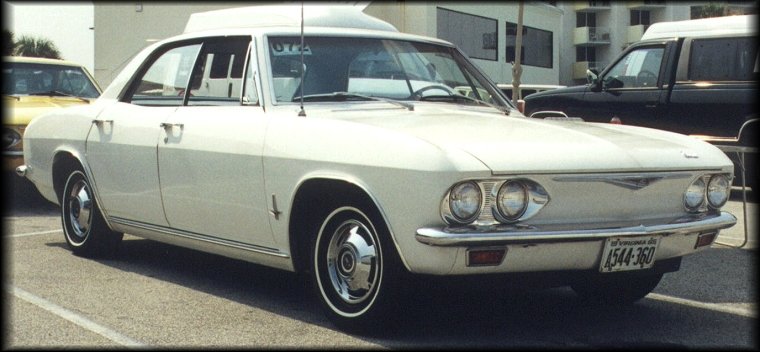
x=156, y=295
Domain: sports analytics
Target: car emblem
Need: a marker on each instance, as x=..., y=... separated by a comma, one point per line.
x=689, y=154
x=633, y=182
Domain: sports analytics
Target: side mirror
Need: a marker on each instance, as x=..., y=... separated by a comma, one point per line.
x=613, y=83
x=592, y=77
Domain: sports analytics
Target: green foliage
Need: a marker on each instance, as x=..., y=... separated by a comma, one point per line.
x=36, y=47
x=709, y=10
x=8, y=43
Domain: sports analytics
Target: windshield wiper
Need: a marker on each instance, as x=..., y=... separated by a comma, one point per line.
x=58, y=93
x=344, y=96
x=454, y=98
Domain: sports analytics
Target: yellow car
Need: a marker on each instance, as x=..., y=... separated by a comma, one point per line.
x=33, y=86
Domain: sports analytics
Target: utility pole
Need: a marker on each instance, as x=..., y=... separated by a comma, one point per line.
x=516, y=67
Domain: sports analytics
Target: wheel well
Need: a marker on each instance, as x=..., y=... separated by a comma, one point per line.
x=63, y=164
x=313, y=201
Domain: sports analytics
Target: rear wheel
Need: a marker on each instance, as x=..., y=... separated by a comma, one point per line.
x=355, y=269
x=86, y=232
x=616, y=288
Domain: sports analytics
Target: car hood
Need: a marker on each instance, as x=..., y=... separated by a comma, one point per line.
x=565, y=90
x=22, y=109
x=512, y=144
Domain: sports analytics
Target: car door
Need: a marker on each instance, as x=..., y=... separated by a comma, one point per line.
x=630, y=90
x=209, y=155
x=121, y=148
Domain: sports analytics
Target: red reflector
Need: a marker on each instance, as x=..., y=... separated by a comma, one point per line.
x=521, y=106
x=485, y=257
x=616, y=120
x=705, y=239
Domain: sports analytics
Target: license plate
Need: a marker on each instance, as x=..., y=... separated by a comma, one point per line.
x=628, y=253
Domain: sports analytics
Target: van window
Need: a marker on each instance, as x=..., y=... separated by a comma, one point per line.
x=723, y=59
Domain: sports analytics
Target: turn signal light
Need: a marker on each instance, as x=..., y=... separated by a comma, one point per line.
x=485, y=257
x=705, y=239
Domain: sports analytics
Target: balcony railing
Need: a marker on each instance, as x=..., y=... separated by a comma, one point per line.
x=646, y=4
x=635, y=32
x=580, y=67
x=591, y=36
x=592, y=6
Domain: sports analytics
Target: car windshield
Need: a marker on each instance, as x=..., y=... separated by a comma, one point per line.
x=340, y=68
x=45, y=79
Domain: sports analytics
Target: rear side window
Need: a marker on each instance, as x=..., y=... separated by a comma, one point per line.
x=723, y=59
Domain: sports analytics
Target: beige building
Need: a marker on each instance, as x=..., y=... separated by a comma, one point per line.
x=561, y=39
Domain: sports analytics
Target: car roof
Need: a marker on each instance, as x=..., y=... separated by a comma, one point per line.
x=336, y=16
x=715, y=26
x=39, y=60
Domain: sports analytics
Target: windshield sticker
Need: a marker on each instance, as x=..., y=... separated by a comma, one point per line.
x=291, y=48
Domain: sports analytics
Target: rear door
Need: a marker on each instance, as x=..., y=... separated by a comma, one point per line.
x=715, y=88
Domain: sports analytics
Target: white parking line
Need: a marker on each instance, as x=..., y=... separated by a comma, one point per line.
x=36, y=233
x=74, y=318
x=745, y=312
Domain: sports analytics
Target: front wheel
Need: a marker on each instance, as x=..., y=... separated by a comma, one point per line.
x=86, y=232
x=354, y=269
x=616, y=288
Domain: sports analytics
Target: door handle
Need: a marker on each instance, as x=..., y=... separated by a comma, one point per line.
x=100, y=122
x=166, y=125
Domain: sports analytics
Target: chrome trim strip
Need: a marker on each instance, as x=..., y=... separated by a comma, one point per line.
x=447, y=237
x=200, y=237
x=629, y=181
x=13, y=153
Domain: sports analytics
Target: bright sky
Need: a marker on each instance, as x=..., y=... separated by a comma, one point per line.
x=67, y=24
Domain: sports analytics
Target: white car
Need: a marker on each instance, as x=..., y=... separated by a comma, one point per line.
x=356, y=161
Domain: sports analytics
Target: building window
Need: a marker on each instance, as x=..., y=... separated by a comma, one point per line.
x=475, y=35
x=585, y=53
x=537, y=47
x=640, y=17
x=585, y=19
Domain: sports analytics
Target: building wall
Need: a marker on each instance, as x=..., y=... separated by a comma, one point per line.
x=420, y=18
x=122, y=29
x=617, y=17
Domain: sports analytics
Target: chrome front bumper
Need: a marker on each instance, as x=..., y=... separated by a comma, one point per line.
x=529, y=249
x=447, y=237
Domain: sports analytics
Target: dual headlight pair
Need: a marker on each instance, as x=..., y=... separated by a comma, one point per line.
x=509, y=201
x=707, y=190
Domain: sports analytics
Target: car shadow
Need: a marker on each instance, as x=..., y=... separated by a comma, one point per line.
x=20, y=198
x=442, y=312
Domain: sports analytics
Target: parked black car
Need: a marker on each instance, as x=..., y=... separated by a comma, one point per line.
x=696, y=77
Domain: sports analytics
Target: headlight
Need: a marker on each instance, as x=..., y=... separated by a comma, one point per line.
x=512, y=200
x=10, y=138
x=464, y=201
x=695, y=195
x=718, y=190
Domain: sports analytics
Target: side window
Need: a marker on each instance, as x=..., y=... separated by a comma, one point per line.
x=723, y=59
x=165, y=81
x=638, y=69
x=218, y=75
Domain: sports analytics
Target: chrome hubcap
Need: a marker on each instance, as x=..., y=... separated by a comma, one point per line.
x=80, y=209
x=352, y=262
